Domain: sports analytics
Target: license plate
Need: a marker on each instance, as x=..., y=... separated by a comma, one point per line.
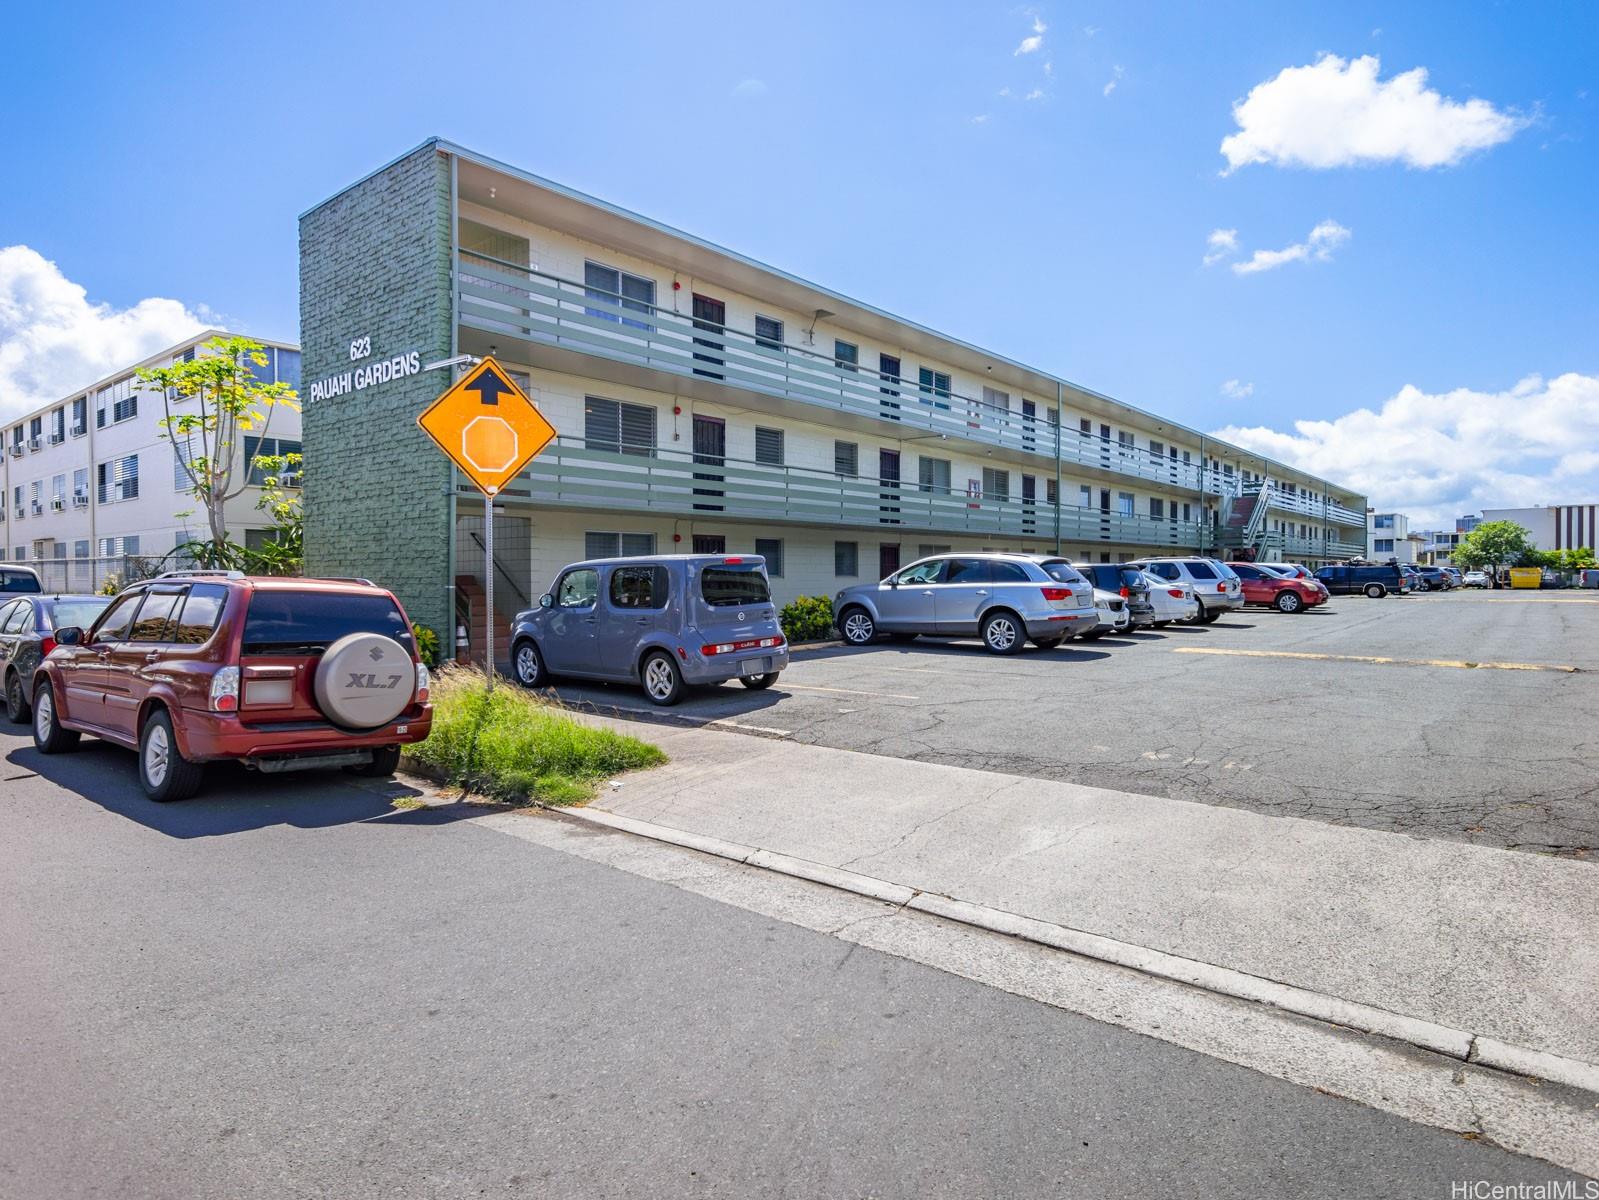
x=752, y=666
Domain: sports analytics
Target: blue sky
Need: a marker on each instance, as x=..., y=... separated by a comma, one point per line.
x=892, y=151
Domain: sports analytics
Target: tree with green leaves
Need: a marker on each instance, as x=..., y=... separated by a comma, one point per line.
x=211, y=402
x=1494, y=544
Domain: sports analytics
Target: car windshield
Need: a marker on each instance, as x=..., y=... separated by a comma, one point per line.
x=289, y=622
x=80, y=612
x=729, y=583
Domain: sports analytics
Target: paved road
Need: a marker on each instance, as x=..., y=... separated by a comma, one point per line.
x=1498, y=757
x=289, y=989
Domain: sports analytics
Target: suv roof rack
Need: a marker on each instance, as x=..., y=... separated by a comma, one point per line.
x=201, y=571
x=349, y=579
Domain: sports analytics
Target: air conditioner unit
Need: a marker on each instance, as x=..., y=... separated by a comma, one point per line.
x=58, y=503
x=16, y=449
x=291, y=479
x=79, y=430
x=38, y=507
x=36, y=443
x=80, y=500
x=57, y=438
x=21, y=512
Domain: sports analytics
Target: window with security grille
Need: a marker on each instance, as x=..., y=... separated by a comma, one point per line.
x=619, y=428
x=769, y=446
x=934, y=383
x=932, y=474
x=1124, y=503
x=118, y=479
x=769, y=333
x=846, y=559
x=613, y=289
x=846, y=459
x=846, y=355
x=771, y=549
x=1157, y=509
x=928, y=549
x=115, y=402
x=618, y=545
x=254, y=448
x=996, y=484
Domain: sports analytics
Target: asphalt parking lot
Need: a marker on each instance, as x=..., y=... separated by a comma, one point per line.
x=1484, y=727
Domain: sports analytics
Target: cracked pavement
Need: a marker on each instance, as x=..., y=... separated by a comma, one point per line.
x=1495, y=758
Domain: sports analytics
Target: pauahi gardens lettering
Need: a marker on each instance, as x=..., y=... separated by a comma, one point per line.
x=364, y=376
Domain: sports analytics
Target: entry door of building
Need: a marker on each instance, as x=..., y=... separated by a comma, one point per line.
x=887, y=559
x=710, y=450
x=711, y=316
x=888, y=481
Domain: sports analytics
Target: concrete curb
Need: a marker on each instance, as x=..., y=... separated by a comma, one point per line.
x=1458, y=1044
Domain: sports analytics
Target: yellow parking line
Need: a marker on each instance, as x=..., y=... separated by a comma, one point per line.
x=805, y=687
x=1373, y=658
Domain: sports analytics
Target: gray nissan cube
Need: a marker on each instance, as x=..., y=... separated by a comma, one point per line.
x=664, y=622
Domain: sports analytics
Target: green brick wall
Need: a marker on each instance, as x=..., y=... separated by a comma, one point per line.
x=375, y=262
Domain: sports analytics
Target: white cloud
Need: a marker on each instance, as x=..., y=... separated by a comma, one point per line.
x=1004, y=91
x=750, y=88
x=1318, y=247
x=1337, y=113
x=1090, y=30
x=1035, y=40
x=1222, y=242
x=1115, y=78
x=1049, y=69
x=979, y=119
x=1036, y=94
x=1438, y=456
x=54, y=339
x=1235, y=390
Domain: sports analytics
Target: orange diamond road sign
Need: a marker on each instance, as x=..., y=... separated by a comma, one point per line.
x=487, y=426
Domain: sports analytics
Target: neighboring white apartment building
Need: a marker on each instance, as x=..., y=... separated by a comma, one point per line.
x=1388, y=536
x=1553, y=526
x=93, y=479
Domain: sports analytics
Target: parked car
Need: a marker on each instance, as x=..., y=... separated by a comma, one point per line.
x=279, y=674
x=665, y=622
x=1005, y=599
x=1476, y=579
x=1433, y=579
x=1372, y=579
x=1173, y=600
x=1126, y=582
x=1296, y=571
x=1271, y=590
x=19, y=579
x=1456, y=579
x=1114, y=615
x=27, y=634
x=1216, y=585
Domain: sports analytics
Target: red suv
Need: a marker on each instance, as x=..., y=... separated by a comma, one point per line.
x=1265, y=587
x=280, y=674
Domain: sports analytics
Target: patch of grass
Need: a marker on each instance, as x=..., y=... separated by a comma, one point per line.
x=512, y=746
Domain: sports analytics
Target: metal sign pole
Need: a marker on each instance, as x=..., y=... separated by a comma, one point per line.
x=488, y=582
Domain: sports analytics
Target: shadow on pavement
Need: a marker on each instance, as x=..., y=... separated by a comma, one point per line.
x=1073, y=651
x=232, y=799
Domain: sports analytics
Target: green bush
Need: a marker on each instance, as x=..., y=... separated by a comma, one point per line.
x=511, y=745
x=807, y=619
x=427, y=645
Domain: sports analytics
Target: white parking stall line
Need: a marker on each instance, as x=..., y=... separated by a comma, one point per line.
x=807, y=687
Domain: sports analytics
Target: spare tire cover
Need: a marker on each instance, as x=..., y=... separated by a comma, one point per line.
x=364, y=680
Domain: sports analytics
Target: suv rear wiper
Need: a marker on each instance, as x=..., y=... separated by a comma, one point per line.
x=283, y=648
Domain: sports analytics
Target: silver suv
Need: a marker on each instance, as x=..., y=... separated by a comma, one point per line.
x=1216, y=585
x=1005, y=599
x=665, y=622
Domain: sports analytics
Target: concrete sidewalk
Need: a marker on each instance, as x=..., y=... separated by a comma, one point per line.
x=1501, y=944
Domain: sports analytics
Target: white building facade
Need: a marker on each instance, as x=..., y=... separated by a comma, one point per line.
x=92, y=483
x=1554, y=526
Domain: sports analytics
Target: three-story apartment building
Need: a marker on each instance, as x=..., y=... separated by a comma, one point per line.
x=708, y=402
x=93, y=480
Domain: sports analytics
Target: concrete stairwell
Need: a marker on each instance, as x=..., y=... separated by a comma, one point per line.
x=469, y=593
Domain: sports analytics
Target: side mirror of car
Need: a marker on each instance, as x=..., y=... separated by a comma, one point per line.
x=893, y=581
x=546, y=601
x=69, y=635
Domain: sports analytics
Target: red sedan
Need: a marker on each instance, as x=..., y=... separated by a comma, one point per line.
x=1268, y=589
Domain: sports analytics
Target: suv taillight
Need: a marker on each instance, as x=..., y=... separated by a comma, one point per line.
x=225, y=690
x=423, y=680
x=46, y=644
x=1055, y=594
x=1127, y=592
x=766, y=643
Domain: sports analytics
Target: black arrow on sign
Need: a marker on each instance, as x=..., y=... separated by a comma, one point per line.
x=489, y=387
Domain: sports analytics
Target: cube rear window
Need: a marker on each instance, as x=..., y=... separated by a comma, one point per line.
x=725, y=584
x=286, y=622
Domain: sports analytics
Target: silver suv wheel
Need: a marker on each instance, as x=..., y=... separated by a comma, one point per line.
x=1000, y=633
x=659, y=681
x=859, y=628
x=156, y=752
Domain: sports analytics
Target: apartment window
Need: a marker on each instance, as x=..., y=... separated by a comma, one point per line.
x=58, y=490
x=928, y=549
x=1085, y=427
x=935, y=384
x=1156, y=449
x=846, y=355
x=115, y=547
x=1085, y=496
x=888, y=372
x=769, y=446
x=118, y=479
x=846, y=559
x=996, y=484
x=1124, y=439
x=1051, y=492
x=36, y=495
x=58, y=425
x=36, y=429
x=1157, y=509
x=1227, y=469
x=1124, y=503
x=617, y=289
x=1384, y=521
x=769, y=333
x=1384, y=545
x=116, y=402
x=619, y=428
x=932, y=474
x=771, y=549
x=80, y=416
x=1188, y=512
x=16, y=498
x=80, y=548
x=846, y=459
x=254, y=448
x=618, y=545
